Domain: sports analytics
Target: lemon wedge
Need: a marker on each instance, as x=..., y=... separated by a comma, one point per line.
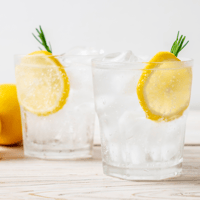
x=164, y=87
x=42, y=83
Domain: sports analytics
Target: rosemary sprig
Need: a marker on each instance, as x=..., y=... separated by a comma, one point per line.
x=178, y=44
x=43, y=42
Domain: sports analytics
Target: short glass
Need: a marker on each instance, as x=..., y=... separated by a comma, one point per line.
x=66, y=132
x=142, y=115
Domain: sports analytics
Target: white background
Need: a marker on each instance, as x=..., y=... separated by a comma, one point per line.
x=143, y=26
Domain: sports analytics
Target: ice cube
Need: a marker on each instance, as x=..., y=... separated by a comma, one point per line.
x=133, y=136
x=170, y=151
x=164, y=151
x=79, y=55
x=120, y=80
x=132, y=154
x=84, y=123
x=80, y=77
x=44, y=129
x=103, y=102
x=131, y=126
x=83, y=50
x=155, y=140
x=155, y=153
x=137, y=154
x=108, y=117
x=108, y=130
x=115, y=152
x=126, y=56
x=165, y=140
x=142, y=58
x=174, y=139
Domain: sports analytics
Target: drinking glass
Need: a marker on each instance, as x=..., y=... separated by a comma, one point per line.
x=142, y=114
x=57, y=105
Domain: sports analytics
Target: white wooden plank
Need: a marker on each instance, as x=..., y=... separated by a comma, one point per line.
x=26, y=178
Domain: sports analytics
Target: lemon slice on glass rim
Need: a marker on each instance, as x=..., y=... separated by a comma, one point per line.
x=42, y=83
x=164, y=87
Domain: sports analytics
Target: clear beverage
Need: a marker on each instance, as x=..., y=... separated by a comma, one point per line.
x=68, y=132
x=133, y=146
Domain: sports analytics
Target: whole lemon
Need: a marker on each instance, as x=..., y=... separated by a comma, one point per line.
x=10, y=120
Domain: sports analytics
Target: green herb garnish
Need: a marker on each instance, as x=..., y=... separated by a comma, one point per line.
x=43, y=40
x=178, y=45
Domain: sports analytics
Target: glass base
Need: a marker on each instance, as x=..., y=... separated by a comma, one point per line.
x=143, y=173
x=59, y=155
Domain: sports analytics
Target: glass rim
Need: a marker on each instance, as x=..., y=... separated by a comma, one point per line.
x=65, y=60
x=97, y=63
x=57, y=56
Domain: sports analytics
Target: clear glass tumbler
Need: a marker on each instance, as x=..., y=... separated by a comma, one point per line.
x=57, y=105
x=142, y=113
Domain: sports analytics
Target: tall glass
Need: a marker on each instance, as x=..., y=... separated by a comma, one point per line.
x=60, y=130
x=142, y=114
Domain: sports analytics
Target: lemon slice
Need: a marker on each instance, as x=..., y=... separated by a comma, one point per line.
x=42, y=83
x=164, y=88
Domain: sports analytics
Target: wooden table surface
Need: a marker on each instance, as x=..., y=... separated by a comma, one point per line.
x=24, y=178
